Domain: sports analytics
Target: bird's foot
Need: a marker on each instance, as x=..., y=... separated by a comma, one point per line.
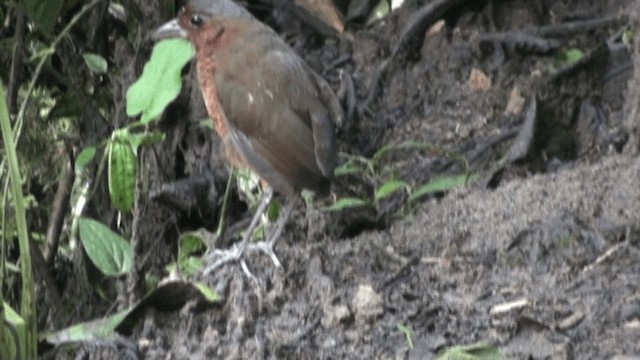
x=218, y=258
x=266, y=247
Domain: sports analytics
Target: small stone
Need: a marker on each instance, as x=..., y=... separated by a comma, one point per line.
x=367, y=304
x=478, y=80
x=516, y=101
x=334, y=314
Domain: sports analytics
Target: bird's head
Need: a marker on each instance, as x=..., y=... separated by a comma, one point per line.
x=201, y=21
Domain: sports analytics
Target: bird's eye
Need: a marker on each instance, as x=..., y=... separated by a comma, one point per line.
x=196, y=20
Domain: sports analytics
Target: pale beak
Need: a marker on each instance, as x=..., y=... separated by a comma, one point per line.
x=168, y=30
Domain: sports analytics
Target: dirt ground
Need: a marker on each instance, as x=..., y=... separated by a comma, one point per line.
x=538, y=257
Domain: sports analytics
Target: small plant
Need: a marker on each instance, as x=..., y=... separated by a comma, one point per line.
x=386, y=184
x=158, y=86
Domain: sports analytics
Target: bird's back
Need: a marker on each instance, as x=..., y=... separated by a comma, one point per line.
x=278, y=119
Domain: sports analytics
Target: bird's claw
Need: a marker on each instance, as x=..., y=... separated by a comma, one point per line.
x=267, y=248
x=217, y=258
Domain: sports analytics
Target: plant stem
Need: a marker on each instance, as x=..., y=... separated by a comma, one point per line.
x=28, y=305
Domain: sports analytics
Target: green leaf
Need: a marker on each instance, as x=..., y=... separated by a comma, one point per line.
x=346, y=203
x=160, y=81
x=169, y=296
x=470, y=352
x=248, y=184
x=273, y=210
x=206, y=123
x=347, y=168
x=442, y=184
x=84, y=157
x=207, y=292
x=95, y=330
x=121, y=171
x=381, y=10
x=408, y=334
x=190, y=243
x=567, y=56
x=108, y=251
x=14, y=333
x=95, y=62
x=627, y=37
x=389, y=188
x=43, y=13
x=146, y=139
x=187, y=266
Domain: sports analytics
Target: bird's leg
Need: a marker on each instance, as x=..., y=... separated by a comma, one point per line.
x=262, y=207
x=267, y=246
x=225, y=256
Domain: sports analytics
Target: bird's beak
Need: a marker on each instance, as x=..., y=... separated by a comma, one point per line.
x=168, y=30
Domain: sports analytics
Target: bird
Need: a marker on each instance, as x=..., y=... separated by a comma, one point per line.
x=274, y=114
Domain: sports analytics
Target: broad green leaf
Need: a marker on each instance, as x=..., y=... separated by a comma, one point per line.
x=389, y=188
x=44, y=14
x=442, y=184
x=108, y=251
x=160, y=81
x=121, y=171
x=95, y=62
x=84, y=157
x=346, y=203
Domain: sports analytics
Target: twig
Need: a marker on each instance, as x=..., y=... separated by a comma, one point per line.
x=223, y=208
x=16, y=64
x=578, y=26
x=133, y=280
x=60, y=207
x=424, y=17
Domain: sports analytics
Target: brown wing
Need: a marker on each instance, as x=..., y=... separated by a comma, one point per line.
x=278, y=120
